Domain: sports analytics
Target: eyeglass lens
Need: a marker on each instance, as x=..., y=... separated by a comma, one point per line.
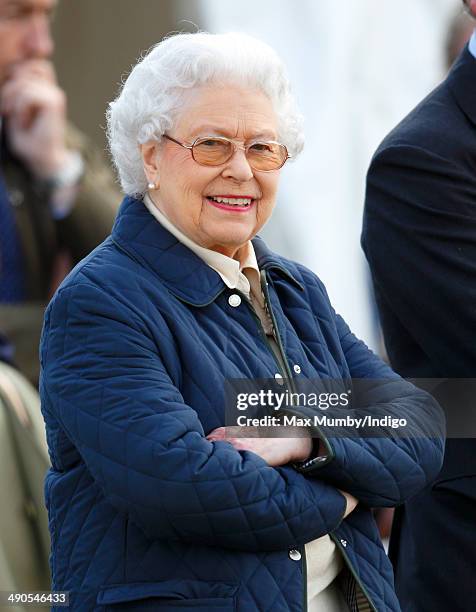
x=260, y=155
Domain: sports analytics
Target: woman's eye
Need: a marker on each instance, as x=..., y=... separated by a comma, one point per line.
x=211, y=143
x=261, y=147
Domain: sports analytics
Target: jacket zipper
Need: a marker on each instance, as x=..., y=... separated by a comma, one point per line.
x=289, y=377
x=353, y=572
x=264, y=287
x=286, y=374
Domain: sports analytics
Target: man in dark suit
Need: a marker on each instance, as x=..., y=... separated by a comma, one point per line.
x=57, y=196
x=419, y=236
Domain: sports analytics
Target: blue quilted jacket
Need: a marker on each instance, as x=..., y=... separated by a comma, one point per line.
x=145, y=513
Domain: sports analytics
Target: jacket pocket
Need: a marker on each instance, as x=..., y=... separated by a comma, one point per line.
x=197, y=595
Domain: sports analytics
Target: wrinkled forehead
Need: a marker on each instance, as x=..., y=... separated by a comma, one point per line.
x=232, y=111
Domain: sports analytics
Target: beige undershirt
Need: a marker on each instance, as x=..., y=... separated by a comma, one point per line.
x=324, y=562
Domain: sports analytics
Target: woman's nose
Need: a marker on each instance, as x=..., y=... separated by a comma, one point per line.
x=238, y=167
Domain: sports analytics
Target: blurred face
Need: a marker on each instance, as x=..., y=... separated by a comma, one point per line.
x=471, y=4
x=219, y=207
x=24, y=32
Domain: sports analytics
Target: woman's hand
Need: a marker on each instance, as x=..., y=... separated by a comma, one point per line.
x=351, y=502
x=275, y=451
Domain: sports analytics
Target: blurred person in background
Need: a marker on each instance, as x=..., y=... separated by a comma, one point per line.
x=151, y=505
x=24, y=536
x=57, y=202
x=419, y=236
x=57, y=196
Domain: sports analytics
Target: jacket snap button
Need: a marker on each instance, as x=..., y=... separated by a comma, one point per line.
x=234, y=300
x=279, y=378
x=294, y=554
x=344, y=543
x=297, y=369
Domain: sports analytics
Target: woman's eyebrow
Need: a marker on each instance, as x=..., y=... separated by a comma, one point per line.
x=265, y=135
x=209, y=130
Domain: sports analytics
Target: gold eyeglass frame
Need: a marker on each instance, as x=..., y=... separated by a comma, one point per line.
x=235, y=147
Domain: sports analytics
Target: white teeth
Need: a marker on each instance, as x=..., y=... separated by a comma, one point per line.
x=231, y=201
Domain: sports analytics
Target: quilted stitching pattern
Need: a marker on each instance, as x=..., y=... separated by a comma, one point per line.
x=136, y=492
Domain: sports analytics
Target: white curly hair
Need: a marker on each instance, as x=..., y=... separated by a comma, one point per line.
x=152, y=95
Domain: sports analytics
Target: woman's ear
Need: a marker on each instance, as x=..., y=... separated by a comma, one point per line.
x=150, y=159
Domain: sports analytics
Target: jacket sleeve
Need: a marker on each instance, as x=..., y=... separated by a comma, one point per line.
x=391, y=465
x=103, y=380
x=96, y=203
x=419, y=236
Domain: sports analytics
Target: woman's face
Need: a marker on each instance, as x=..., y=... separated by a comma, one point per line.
x=185, y=187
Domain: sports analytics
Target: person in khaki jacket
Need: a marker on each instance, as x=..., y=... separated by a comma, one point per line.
x=24, y=538
x=58, y=199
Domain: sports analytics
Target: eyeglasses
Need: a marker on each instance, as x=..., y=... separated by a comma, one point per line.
x=263, y=156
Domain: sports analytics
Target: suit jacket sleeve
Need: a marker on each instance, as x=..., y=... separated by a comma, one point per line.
x=419, y=237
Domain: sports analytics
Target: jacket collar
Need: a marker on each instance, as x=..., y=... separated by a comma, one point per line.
x=144, y=239
x=462, y=82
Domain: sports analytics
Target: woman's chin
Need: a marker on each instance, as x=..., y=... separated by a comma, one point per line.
x=229, y=236
x=229, y=245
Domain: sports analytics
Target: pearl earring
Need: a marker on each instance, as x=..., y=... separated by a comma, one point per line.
x=152, y=186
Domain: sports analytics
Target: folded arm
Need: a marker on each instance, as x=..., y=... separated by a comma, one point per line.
x=104, y=381
x=387, y=468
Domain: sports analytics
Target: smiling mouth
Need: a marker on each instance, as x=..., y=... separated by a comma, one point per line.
x=228, y=202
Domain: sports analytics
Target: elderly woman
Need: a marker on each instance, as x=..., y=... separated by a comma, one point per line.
x=150, y=506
